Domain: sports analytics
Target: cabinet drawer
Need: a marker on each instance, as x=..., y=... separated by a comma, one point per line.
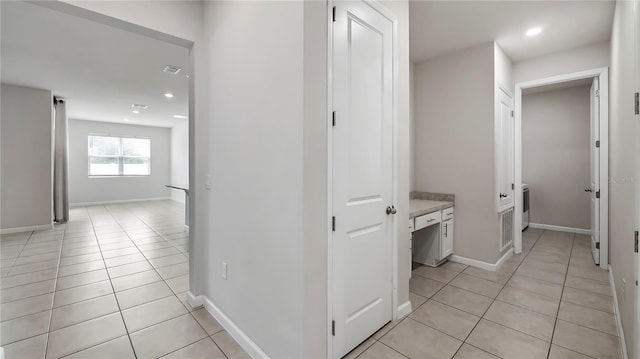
x=428, y=220
x=447, y=213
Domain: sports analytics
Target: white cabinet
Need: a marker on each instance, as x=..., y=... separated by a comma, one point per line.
x=432, y=239
x=447, y=238
x=427, y=220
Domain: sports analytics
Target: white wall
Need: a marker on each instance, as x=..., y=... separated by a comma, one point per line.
x=179, y=159
x=26, y=173
x=256, y=156
x=573, y=60
x=623, y=184
x=454, y=143
x=555, y=156
x=83, y=189
x=503, y=69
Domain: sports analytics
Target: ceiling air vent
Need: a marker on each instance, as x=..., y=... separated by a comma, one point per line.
x=137, y=106
x=171, y=69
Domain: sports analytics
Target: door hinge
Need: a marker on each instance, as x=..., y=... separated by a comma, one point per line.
x=637, y=99
x=513, y=186
x=334, y=14
x=333, y=328
x=333, y=118
x=598, y=194
x=333, y=223
x=635, y=240
x=598, y=144
x=597, y=245
x=597, y=93
x=511, y=113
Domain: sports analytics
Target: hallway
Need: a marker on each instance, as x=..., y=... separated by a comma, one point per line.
x=549, y=302
x=111, y=283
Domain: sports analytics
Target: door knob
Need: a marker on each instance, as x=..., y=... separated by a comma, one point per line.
x=391, y=210
x=588, y=189
x=503, y=195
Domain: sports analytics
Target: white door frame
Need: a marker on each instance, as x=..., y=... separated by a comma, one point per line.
x=636, y=341
x=376, y=5
x=603, y=74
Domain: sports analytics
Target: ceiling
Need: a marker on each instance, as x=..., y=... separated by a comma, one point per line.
x=100, y=70
x=441, y=27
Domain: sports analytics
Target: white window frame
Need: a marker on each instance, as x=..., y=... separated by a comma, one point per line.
x=119, y=156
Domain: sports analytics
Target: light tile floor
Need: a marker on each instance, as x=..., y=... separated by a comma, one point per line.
x=549, y=302
x=111, y=283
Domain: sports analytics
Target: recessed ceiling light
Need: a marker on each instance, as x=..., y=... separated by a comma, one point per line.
x=125, y=120
x=180, y=116
x=533, y=31
x=136, y=111
x=168, y=95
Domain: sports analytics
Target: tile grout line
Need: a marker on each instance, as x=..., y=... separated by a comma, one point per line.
x=114, y=291
x=154, y=230
x=188, y=311
x=495, y=298
x=55, y=285
x=165, y=282
x=555, y=322
x=52, y=297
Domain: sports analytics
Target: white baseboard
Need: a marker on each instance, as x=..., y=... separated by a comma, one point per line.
x=80, y=204
x=195, y=301
x=403, y=310
x=560, y=228
x=623, y=343
x=480, y=264
x=241, y=338
x=43, y=227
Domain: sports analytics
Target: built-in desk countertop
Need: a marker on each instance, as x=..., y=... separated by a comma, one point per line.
x=418, y=207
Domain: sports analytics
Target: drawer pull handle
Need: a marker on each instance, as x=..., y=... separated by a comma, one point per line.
x=431, y=220
x=450, y=213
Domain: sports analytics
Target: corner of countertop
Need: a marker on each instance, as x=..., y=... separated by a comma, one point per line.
x=432, y=196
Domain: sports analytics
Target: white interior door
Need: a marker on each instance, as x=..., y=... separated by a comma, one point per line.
x=362, y=174
x=505, y=156
x=594, y=184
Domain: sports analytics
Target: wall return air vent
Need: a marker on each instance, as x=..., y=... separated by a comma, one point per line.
x=137, y=106
x=171, y=69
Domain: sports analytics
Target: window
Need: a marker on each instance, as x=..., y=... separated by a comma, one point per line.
x=119, y=156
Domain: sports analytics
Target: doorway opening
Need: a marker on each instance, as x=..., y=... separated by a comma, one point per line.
x=596, y=160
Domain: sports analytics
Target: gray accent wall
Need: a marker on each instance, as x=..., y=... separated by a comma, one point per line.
x=455, y=143
x=86, y=189
x=26, y=123
x=556, y=156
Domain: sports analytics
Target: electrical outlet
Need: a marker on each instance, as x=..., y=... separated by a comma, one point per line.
x=225, y=268
x=207, y=182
